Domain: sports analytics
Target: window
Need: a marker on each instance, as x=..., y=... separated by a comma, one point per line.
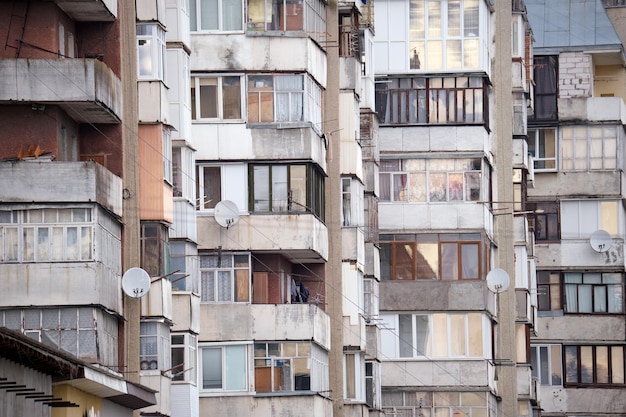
x=587, y=148
x=216, y=98
x=372, y=384
x=46, y=235
x=284, y=98
x=349, y=36
x=548, y=291
x=440, y=404
x=432, y=256
x=289, y=366
x=352, y=202
x=216, y=15
x=437, y=100
x=183, y=179
x=224, y=368
x=594, y=365
x=154, y=248
x=167, y=154
x=580, y=218
x=545, y=220
x=151, y=52
x=181, y=258
x=546, y=88
x=371, y=296
x=225, y=278
x=154, y=346
x=546, y=364
x=431, y=180
x=183, y=357
x=439, y=335
x=288, y=15
x=542, y=147
x=444, y=34
x=353, y=376
x=593, y=292
x=87, y=333
x=209, y=181
x=286, y=188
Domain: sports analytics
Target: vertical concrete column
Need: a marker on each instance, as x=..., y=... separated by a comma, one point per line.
x=131, y=256
x=333, y=210
x=505, y=347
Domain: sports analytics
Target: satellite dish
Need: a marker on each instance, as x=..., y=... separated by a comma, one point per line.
x=498, y=280
x=135, y=282
x=600, y=241
x=226, y=213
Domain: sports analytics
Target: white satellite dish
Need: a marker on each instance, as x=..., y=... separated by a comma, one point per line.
x=226, y=213
x=135, y=282
x=600, y=241
x=498, y=280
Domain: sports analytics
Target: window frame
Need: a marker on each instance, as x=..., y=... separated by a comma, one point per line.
x=421, y=100
x=314, y=184
x=196, y=13
x=154, y=336
x=424, y=336
x=219, y=101
x=537, y=142
x=573, y=357
x=20, y=234
x=417, y=177
x=570, y=307
x=546, y=91
x=274, y=355
x=391, y=244
x=153, y=35
x=547, y=364
x=261, y=88
x=592, y=138
x=154, y=243
x=236, y=279
x=224, y=349
x=184, y=371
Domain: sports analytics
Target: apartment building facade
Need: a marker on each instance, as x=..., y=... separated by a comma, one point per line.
x=449, y=75
x=69, y=213
x=576, y=136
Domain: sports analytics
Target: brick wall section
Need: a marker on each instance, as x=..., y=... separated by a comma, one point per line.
x=575, y=74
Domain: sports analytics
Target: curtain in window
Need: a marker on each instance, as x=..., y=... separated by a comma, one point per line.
x=289, y=98
x=405, y=327
x=571, y=294
x=224, y=286
x=207, y=286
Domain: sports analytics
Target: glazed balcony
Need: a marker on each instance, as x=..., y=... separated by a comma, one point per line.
x=86, y=89
x=307, y=405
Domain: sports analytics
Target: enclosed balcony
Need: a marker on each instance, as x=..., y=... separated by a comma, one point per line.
x=62, y=242
x=86, y=89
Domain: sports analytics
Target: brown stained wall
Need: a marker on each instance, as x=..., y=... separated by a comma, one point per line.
x=100, y=40
x=152, y=189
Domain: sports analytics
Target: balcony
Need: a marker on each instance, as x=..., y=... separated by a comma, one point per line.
x=431, y=373
x=353, y=244
x=54, y=284
x=264, y=322
x=153, y=103
x=573, y=253
x=605, y=401
x=60, y=182
x=593, y=109
x=86, y=89
x=89, y=10
x=307, y=405
x=158, y=301
x=303, y=238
